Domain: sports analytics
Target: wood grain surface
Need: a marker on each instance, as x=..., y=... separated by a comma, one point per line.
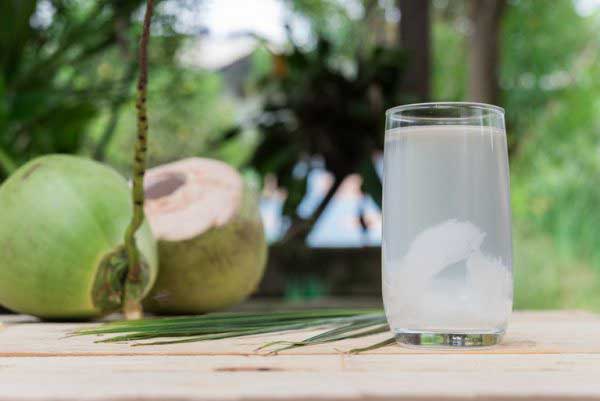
x=545, y=356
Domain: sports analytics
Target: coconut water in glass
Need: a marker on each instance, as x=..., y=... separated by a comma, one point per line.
x=447, y=252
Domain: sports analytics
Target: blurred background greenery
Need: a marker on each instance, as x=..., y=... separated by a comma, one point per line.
x=295, y=96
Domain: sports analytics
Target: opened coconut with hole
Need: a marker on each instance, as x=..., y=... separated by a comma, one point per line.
x=211, y=241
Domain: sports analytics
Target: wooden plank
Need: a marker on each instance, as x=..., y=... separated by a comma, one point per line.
x=529, y=333
x=303, y=377
x=546, y=356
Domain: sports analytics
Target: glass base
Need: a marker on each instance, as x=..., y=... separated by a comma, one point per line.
x=447, y=340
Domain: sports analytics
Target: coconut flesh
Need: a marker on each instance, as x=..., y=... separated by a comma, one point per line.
x=62, y=220
x=211, y=242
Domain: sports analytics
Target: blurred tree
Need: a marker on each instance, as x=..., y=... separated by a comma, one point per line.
x=538, y=44
x=415, y=35
x=449, y=51
x=484, y=58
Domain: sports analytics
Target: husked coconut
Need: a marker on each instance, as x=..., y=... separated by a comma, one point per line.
x=211, y=242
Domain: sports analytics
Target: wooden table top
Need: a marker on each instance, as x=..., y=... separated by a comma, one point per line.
x=545, y=356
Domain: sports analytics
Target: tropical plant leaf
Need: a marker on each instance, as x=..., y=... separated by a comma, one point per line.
x=381, y=344
x=339, y=324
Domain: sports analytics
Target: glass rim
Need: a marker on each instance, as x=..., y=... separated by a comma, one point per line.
x=419, y=106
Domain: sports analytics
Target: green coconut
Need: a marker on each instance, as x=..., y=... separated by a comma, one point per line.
x=211, y=241
x=62, y=220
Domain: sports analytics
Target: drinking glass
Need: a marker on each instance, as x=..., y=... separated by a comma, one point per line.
x=447, y=247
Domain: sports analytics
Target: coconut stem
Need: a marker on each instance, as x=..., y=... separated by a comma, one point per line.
x=131, y=304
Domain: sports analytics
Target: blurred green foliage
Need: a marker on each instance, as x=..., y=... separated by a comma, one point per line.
x=67, y=84
x=188, y=115
x=542, y=48
x=547, y=279
x=339, y=23
x=67, y=72
x=557, y=166
x=50, y=83
x=49, y=89
x=550, y=82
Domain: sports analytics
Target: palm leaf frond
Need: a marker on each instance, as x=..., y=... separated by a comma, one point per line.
x=339, y=324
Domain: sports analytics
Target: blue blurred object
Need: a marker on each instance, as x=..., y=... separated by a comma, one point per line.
x=339, y=226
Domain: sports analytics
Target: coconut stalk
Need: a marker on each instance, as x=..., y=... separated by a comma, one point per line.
x=132, y=308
